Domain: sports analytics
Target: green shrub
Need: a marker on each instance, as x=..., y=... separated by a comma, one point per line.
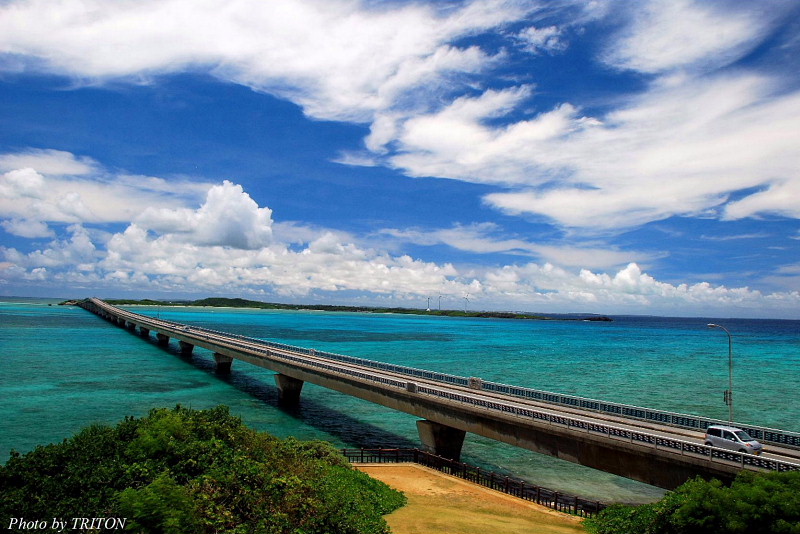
x=756, y=503
x=189, y=471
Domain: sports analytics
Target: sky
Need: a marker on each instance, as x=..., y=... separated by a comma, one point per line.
x=556, y=156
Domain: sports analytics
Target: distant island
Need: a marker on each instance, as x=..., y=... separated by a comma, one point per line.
x=219, y=302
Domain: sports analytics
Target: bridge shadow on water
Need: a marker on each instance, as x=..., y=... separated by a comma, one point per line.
x=347, y=429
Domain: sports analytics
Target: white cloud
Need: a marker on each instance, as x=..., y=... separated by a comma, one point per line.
x=76, y=253
x=538, y=40
x=734, y=237
x=665, y=35
x=228, y=218
x=483, y=239
x=678, y=149
x=48, y=161
x=181, y=257
x=781, y=197
x=338, y=59
x=27, y=228
x=59, y=187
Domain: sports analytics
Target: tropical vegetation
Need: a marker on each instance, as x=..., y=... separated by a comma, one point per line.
x=188, y=471
x=755, y=503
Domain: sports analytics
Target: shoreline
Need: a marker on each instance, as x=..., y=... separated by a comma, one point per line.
x=238, y=303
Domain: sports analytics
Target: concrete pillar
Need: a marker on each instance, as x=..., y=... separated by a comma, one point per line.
x=441, y=440
x=223, y=362
x=144, y=332
x=162, y=339
x=186, y=348
x=289, y=389
x=130, y=326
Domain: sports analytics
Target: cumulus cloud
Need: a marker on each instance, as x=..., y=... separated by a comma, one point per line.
x=229, y=217
x=59, y=187
x=685, y=144
x=77, y=253
x=173, y=251
x=27, y=228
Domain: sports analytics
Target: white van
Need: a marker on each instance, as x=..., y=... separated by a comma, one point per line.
x=730, y=437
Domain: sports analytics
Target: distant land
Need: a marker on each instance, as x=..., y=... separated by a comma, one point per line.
x=218, y=302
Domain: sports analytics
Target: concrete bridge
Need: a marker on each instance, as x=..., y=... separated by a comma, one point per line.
x=659, y=448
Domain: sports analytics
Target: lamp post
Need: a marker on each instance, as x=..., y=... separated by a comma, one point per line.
x=729, y=391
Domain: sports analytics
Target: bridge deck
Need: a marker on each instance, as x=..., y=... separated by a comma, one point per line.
x=607, y=441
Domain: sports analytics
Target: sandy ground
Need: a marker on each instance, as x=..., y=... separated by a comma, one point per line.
x=442, y=504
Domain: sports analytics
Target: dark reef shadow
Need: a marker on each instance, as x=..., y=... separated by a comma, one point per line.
x=349, y=430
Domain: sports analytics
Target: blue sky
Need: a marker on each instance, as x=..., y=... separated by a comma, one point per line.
x=560, y=156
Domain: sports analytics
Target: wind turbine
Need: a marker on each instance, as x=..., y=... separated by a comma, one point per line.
x=466, y=301
x=440, y=303
x=429, y=304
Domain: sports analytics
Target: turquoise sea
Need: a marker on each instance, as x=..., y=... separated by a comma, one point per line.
x=63, y=368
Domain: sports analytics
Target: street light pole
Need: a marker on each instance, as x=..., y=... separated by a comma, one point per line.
x=729, y=392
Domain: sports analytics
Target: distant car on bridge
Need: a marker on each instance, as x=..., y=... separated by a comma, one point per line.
x=735, y=439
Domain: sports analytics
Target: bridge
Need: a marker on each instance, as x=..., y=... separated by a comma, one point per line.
x=659, y=448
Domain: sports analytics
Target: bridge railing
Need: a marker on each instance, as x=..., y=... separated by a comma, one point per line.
x=506, y=484
x=764, y=434
x=615, y=432
x=610, y=431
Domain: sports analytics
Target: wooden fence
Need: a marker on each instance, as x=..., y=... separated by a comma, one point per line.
x=519, y=488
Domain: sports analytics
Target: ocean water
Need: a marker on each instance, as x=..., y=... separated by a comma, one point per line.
x=63, y=368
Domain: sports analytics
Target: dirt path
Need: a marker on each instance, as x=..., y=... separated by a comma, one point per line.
x=441, y=504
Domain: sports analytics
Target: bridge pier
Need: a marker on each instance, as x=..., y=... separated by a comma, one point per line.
x=144, y=332
x=223, y=363
x=162, y=339
x=288, y=389
x=186, y=348
x=441, y=440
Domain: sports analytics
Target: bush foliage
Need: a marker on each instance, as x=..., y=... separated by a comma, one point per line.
x=754, y=504
x=188, y=471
